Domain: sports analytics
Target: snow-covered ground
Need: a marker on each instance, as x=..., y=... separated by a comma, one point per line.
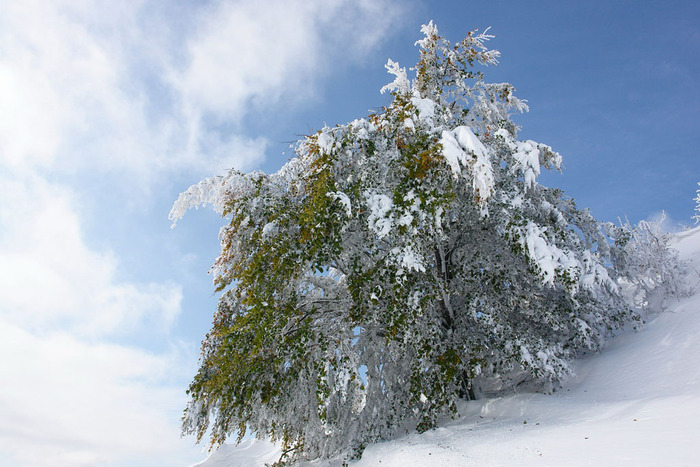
x=636, y=403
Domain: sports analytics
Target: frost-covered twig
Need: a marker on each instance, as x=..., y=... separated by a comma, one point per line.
x=697, y=207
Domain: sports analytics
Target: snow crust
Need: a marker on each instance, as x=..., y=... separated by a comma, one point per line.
x=251, y=452
x=636, y=403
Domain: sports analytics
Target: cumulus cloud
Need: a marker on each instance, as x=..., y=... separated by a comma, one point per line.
x=251, y=52
x=69, y=396
x=68, y=402
x=49, y=277
x=86, y=88
x=61, y=84
x=255, y=55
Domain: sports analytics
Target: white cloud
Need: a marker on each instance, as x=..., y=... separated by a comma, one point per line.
x=80, y=92
x=67, y=402
x=253, y=53
x=68, y=397
x=49, y=277
x=58, y=80
x=249, y=51
x=86, y=88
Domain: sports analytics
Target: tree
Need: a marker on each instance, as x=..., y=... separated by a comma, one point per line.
x=396, y=264
x=649, y=272
x=697, y=206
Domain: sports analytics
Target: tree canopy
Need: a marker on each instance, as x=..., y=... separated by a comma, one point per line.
x=398, y=263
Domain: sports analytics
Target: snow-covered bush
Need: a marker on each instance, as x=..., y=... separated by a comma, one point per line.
x=394, y=265
x=697, y=206
x=648, y=269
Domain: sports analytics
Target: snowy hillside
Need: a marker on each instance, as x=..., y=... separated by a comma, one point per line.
x=636, y=403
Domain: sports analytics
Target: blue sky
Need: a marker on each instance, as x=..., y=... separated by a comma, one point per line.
x=109, y=111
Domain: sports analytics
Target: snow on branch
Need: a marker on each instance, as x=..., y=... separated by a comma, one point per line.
x=697, y=206
x=529, y=156
x=213, y=190
x=461, y=146
x=400, y=83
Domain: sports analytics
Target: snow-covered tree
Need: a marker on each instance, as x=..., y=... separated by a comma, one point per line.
x=398, y=263
x=649, y=271
x=697, y=206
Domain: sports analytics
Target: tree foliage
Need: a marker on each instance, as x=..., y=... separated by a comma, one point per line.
x=649, y=271
x=398, y=263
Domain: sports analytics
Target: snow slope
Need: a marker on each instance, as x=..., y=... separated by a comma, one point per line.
x=636, y=403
